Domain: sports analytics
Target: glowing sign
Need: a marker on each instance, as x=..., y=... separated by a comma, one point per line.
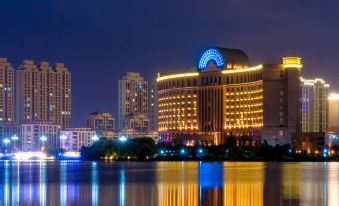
x=211, y=55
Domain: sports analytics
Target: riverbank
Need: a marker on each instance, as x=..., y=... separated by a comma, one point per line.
x=145, y=149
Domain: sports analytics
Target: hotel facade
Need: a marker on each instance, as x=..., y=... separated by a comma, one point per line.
x=227, y=96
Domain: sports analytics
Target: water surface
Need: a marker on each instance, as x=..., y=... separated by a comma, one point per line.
x=168, y=183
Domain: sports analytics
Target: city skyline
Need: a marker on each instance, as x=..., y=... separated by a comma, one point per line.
x=104, y=42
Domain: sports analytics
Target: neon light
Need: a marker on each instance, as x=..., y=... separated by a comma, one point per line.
x=211, y=55
x=259, y=67
x=173, y=76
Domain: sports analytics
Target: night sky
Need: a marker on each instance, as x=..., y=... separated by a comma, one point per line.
x=99, y=41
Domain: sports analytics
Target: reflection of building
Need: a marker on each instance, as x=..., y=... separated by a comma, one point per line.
x=314, y=112
x=31, y=136
x=133, y=102
x=6, y=91
x=43, y=94
x=333, y=110
x=228, y=96
x=177, y=185
x=241, y=187
x=103, y=123
x=73, y=139
x=290, y=183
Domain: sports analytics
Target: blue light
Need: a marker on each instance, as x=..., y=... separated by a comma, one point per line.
x=290, y=151
x=200, y=150
x=211, y=55
x=162, y=151
x=182, y=151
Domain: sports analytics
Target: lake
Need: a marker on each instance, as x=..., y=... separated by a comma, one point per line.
x=168, y=183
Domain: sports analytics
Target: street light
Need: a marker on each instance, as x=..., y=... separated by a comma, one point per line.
x=122, y=139
x=6, y=141
x=43, y=139
x=14, y=138
x=95, y=138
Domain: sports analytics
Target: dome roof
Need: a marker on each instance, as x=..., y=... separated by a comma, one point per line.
x=223, y=58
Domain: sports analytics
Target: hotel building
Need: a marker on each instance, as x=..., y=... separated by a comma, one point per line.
x=226, y=96
x=73, y=139
x=133, y=103
x=103, y=123
x=43, y=94
x=314, y=100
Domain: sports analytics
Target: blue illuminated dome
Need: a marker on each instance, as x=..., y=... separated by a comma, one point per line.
x=211, y=55
x=223, y=58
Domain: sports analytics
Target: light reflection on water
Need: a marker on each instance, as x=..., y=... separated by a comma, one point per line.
x=168, y=183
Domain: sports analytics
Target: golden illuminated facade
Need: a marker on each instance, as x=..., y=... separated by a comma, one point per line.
x=224, y=97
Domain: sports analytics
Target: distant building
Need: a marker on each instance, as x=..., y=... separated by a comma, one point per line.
x=73, y=139
x=37, y=136
x=227, y=96
x=133, y=102
x=6, y=91
x=333, y=110
x=153, y=99
x=43, y=94
x=137, y=122
x=103, y=123
x=314, y=109
x=132, y=134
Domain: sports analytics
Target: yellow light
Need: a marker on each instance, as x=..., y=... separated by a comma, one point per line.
x=292, y=66
x=242, y=70
x=291, y=60
x=173, y=76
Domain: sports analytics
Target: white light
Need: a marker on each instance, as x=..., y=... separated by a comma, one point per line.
x=6, y=141
x=14, y=137
x=29, y=155
x=95, y=138
x=63, y=137
x=43, y=138
x=123, y=139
